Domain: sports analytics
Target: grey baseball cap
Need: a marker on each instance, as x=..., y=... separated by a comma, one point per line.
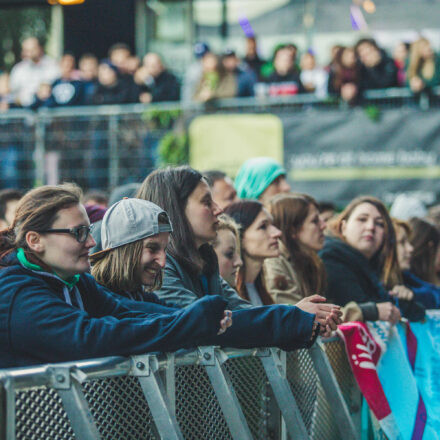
x=130, y=220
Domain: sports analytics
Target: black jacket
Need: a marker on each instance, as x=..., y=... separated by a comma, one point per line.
x=165, y=87
x=351, y=277
x=381, y=76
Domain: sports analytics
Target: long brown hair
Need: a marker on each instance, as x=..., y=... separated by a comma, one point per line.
x=244, y=213
x=425, y=240
x=37, y=210
x=170, y=189
x=289, y=212
x=386, y=256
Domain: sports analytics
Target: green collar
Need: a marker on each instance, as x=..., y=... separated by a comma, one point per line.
x=28, y=265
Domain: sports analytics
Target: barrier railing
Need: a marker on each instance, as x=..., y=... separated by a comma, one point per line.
x=208, y=393
x=104, y=146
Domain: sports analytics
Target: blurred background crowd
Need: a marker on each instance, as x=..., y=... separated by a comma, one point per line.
x=41, y=81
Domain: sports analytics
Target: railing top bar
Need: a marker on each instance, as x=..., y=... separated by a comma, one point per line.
x=113, y=366
x=107, y=110
x=17, y=113
x=394, y=92
x=40, y=375
x=331, y=339
x=239, y=103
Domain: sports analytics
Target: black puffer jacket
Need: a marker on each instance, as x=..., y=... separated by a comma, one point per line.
x=351, y=277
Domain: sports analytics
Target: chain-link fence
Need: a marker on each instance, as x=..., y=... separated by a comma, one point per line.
x=204, y=394
x=105, y=146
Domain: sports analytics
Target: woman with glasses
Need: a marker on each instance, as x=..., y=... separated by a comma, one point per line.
x=52, y=310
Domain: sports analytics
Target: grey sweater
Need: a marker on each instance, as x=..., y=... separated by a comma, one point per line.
x=180, y=288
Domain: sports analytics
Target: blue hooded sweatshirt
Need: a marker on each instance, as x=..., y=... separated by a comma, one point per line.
x=44, y=319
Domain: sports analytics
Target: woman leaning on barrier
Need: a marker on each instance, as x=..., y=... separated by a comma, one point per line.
x=52, y=310
x=131, y=265
x=191, y=270
x=258, y=241
x=361, y=263
x=298, y=271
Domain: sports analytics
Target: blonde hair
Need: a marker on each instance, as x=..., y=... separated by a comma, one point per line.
x=418, y=66
x=227, y=223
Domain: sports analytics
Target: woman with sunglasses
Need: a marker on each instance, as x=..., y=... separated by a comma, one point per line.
x=52, y=310
x=191, y=270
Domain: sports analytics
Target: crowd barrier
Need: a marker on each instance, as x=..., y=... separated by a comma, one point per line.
x=208, y=393
x=105, y=146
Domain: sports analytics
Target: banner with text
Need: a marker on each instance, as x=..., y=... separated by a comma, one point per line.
x=337, y=155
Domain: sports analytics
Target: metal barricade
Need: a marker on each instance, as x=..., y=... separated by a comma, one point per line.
x=101, y=147
x=19, y=138
x=208, y=393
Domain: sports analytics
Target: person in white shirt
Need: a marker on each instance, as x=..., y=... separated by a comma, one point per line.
x=35, y=69
x=313, y=78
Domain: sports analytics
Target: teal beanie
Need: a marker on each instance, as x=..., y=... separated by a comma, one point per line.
x=255, y=175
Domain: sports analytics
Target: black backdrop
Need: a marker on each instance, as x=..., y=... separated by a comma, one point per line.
x=97, y=24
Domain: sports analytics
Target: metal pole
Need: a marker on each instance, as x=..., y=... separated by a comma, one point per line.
x=40, y=150
x=140, y=28
x=147, y=372
x=224, y=390
x=113, y=142
x=74, y=403
x=10, y=409
x=276, y=373
x=333, y=392
x=224, y=24
x=55, y=44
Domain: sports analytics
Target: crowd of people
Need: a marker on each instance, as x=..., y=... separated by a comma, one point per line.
x=40, y=81
x=187, y=258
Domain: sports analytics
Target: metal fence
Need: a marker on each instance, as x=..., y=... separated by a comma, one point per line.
x=105, y=146
x=209, y=393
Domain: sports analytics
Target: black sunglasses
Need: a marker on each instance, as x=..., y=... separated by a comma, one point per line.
x=81, y=233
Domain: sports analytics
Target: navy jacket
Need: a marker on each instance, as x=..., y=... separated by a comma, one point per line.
x=37, y=325
x=351, y=277
x=283, y=326
x=426, y=293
